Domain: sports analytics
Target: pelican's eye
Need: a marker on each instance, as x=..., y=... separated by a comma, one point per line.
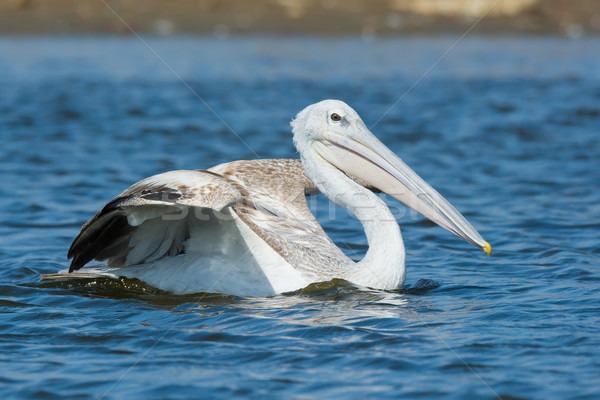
x=336, y=117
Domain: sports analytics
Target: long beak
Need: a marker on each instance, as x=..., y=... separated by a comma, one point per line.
x=371, y=161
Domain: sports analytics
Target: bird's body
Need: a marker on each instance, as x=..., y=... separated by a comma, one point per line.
x=245, y=228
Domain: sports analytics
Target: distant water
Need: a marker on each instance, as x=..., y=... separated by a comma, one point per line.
x=507, y=129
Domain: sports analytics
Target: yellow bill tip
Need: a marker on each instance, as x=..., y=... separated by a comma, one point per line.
x=487, y=248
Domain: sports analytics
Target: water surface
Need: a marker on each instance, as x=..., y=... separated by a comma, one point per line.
x=507, y=129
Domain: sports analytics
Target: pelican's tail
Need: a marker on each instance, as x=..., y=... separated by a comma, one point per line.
x=90, y=273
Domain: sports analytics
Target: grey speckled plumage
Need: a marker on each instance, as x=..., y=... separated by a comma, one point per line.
x=274, y=206
x=267, y=195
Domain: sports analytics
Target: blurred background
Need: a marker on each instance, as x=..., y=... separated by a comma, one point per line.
x=496, y=103
x=331, y=17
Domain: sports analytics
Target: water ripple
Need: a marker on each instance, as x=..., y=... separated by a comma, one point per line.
x=503, y=127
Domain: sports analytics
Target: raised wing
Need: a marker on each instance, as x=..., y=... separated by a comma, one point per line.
x=148, y=220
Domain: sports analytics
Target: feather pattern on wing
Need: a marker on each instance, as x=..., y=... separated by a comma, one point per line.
x=276, y=210
x=160, y=218
x=148, y=220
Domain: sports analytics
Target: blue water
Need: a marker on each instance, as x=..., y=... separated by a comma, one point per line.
x=507, y=129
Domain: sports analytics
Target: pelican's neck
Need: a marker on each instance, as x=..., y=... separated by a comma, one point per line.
x=383, y=265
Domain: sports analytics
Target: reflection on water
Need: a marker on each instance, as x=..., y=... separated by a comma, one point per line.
x=505, y=128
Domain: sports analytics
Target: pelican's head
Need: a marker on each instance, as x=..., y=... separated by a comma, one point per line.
x=333, y=134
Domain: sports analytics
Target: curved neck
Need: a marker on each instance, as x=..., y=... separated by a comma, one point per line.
x=383, y=265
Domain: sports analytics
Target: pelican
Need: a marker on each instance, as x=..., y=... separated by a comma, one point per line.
x=244, y=227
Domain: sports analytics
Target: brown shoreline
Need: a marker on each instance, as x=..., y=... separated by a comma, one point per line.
x=289, y=17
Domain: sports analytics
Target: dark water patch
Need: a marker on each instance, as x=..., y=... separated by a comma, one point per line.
x=13, y=304
x=421, y=287
x=335, y=289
